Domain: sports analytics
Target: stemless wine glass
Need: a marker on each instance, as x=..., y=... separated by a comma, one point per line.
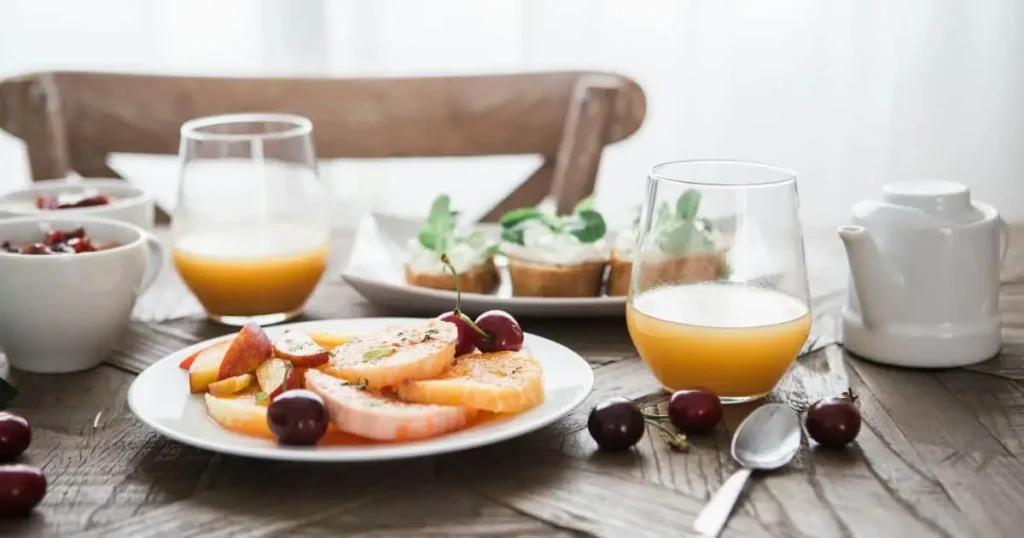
x=251, y=226
x=719, y=296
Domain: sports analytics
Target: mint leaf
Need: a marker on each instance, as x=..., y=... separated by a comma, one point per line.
x=438, y=232
x=687, y=204
x=440, y=212
x=589, y=226
x=512, y=235
x=428, y=238
x=518, y=216
x=262, y=397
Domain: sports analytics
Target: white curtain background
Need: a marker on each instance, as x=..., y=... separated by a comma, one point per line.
x=850, y=93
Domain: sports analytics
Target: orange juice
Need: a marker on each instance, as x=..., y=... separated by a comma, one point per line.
x=254, y=272
x=737, y=341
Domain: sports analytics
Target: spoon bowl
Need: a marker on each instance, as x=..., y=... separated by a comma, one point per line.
x=767, y=439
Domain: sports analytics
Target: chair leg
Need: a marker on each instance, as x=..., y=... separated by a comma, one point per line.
x=583, y=140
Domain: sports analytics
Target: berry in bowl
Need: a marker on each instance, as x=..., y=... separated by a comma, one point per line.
x=69, y=287
x=55, y=241
x=110, y=198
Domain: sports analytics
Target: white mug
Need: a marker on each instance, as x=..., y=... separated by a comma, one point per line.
x=65, y=312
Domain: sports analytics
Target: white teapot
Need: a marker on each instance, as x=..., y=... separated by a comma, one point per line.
x=924, y=267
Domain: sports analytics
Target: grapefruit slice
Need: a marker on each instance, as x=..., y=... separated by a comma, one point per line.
x=374, y=416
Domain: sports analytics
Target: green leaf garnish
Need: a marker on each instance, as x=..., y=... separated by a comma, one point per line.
x=379, y=353
x=438, y=233
x=512, y=235
x=262, y=397
x=687, y=205
x=518, y=216
x=589, y=227
x=681, y=232
x=585, y=223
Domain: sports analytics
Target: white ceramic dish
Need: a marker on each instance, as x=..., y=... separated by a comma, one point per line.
x=160, y=398
x=128, y=203
x=375, y=270
x=64, y=313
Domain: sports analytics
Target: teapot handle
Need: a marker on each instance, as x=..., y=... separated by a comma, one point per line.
x=1004, y=239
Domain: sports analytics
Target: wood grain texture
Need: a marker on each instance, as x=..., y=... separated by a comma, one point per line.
x=939, y=453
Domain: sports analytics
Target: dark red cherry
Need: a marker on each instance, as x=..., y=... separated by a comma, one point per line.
x=503, y=332
x=298, y=417
x=21, y=489
x=694, y=410
x=465, y=342
x=616, y=424
x=15, y=435
x=833, y=422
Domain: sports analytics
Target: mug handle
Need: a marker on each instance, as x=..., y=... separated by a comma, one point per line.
x=1004, y=239
x=154, y=262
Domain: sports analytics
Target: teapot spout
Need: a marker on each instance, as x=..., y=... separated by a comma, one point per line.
x=875, y=280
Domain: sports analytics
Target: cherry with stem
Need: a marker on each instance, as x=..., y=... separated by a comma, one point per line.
x=468, y=331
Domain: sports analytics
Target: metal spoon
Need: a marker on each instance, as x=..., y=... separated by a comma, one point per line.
x=765, y=440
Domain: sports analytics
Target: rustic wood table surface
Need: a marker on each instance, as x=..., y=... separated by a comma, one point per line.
x=940, y=453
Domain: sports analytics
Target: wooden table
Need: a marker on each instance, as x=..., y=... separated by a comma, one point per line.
x=939, y=455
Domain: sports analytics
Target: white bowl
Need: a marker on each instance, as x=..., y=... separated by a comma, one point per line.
x=128, y=203
x=64, y=312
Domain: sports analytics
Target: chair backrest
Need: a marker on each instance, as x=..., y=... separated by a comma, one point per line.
x=72, y=121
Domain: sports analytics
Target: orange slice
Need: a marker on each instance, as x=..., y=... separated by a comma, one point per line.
x=390, y=356
x=500, y=382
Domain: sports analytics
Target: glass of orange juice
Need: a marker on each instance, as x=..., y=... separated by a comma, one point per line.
x=719, y=296
x=251, y=227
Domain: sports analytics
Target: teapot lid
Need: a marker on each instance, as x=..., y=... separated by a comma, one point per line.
x=944, y=199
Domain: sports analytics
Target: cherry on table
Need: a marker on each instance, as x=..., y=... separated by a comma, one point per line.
x=833, y=422
x=15, y=435
x=297, y=417
x=694, y=410
x=616, y=424
x=21, y=489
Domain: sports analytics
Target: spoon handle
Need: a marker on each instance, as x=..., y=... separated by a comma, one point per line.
x=712, y=518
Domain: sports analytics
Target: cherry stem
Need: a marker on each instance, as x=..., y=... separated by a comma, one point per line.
x=654, y=416
x=676, y=440
x=458, y=289
x=458, y=299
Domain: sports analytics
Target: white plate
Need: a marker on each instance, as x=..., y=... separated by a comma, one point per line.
x=161, y=399
x=375, y=270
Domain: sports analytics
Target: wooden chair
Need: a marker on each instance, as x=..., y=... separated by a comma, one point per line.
x=72, y=121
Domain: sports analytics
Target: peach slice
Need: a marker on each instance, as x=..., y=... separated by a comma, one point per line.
x=231, y=385
x=240, y=414
x=206, y=365
x=329, y=340
x=301, y=350
x=248, y=350
x=187, y=363
x=278, y=375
